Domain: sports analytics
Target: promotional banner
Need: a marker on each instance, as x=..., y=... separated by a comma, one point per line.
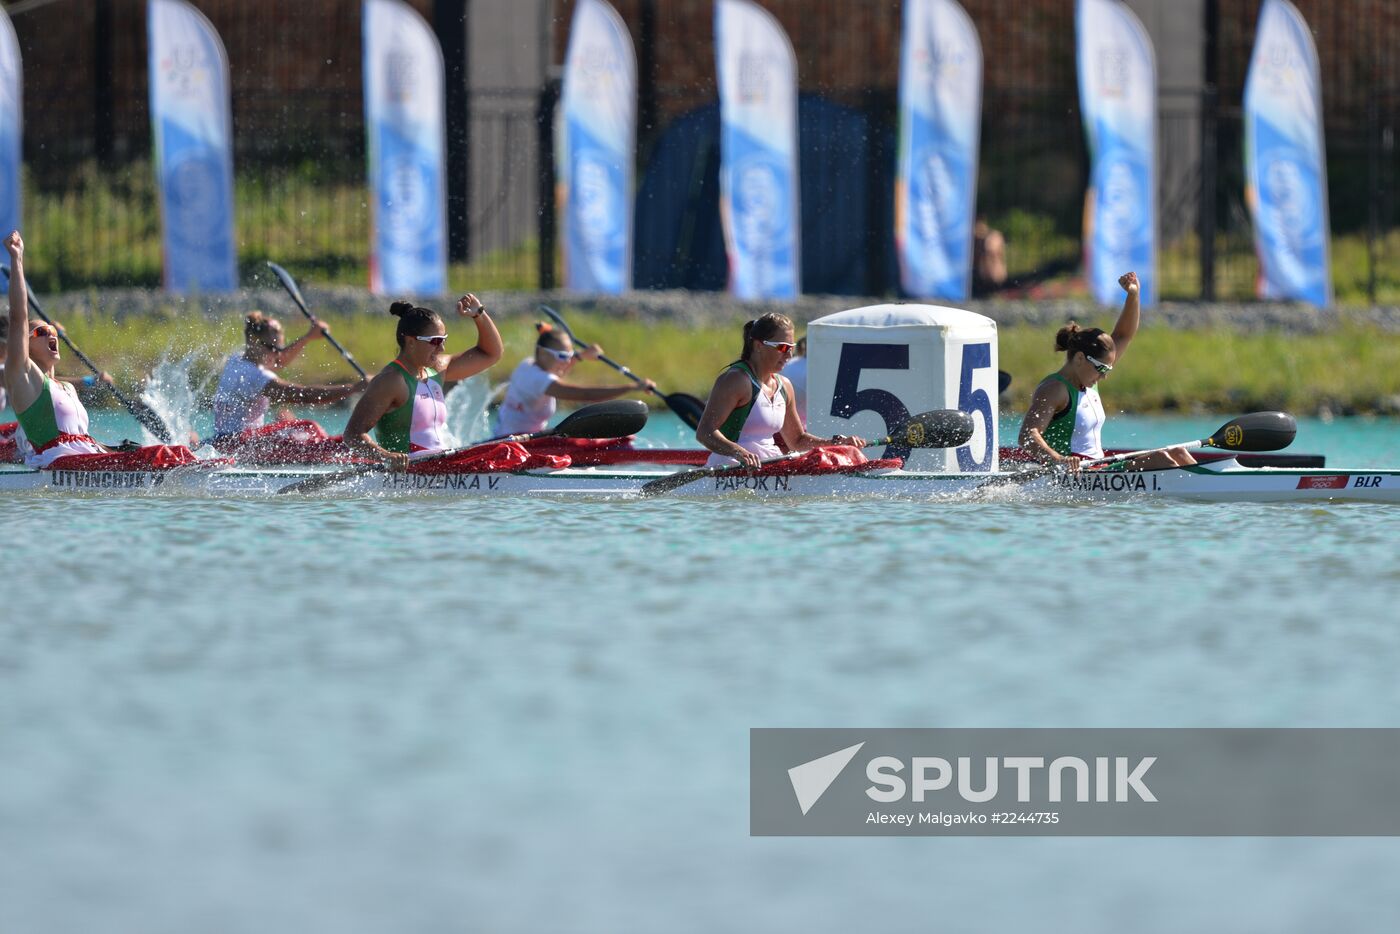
x=405, y=121
x=758, y=151
x=1285, y=162
x=11, y=126
x=597, y=146
x=940, y=115
x=193, y=125
x=1118, y=100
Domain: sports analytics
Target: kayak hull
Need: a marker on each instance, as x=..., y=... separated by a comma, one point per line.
x=1224, y=481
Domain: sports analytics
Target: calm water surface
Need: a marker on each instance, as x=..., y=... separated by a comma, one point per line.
x=433, y=716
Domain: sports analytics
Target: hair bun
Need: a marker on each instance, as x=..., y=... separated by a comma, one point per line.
x=399, y=309
x=1065, y=336
x=543, y=327
x=254, y=317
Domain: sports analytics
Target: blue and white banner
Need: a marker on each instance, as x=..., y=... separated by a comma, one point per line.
x=405, y=119
x=940, y=116
x=1118, y=100
x=11, y=126
x=758, y=180
x=193, y=124
x=597, y=150
x=1285, y=163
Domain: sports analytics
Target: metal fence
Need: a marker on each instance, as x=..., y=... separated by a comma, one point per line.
x=91, y=209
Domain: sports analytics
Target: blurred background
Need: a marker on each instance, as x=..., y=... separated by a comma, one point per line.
x=301, y=194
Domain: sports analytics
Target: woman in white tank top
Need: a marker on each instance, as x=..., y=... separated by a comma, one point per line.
x=1064, y=424
x=750, y=406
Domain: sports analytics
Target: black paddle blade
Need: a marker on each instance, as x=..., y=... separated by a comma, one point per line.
x=288, y=283
x=616, y=419
x=687, y=407
x=940, y=428
x=1258, y=431
x=1003, y=381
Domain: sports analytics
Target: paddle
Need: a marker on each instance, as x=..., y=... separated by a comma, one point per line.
x=139, y=410
x=940, y=428
x=688, y=407
x=615, y=419
x=290, y=285
x=1258, y=431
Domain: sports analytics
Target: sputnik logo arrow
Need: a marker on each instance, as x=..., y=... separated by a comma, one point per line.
x=810, y=780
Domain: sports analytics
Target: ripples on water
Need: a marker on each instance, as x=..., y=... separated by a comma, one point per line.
x=366, y=715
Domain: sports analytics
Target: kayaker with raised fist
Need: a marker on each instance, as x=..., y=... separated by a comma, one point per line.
x=54, y=423
x=404, y=406
x=1064, y=423
x=751, y=402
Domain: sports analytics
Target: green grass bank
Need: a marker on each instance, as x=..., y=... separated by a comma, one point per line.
x=1349, y=369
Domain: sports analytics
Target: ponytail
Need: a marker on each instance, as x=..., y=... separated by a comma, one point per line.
x=548, y=336
x=764, y=328
x=1092, y=342
x=413, y=320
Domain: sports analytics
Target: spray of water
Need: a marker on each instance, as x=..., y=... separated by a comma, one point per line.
x=466, y=411
x=169, y=395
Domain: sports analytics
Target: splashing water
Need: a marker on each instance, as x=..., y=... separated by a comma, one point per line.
x=466, y=411
x=170, y=396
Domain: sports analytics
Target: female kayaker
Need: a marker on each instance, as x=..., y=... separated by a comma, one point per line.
x=751, y=402
x=54, y=422
x=249, y=383
x=404, y=404
x=1064, y=423
x=537, y=384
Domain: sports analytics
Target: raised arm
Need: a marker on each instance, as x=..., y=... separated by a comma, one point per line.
x=1129, y=318
x=488, y=350
x=23, y=380
x=293, y=350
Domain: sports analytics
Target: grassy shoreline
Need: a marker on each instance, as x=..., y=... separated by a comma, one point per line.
x=1353, y=369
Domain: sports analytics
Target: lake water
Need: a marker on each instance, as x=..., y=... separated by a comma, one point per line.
x=350, y=716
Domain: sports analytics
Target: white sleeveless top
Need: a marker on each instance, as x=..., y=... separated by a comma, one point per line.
x=427, y=434
x=239, y=403
x=527, y=407
x=765, y=420
x=1087, y=438
x=71, y=418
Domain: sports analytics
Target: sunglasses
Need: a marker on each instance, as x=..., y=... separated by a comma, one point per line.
x=1103, y=368
x=563, y=356
x=437, y=340
x=43, y=330
x=780, y=346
